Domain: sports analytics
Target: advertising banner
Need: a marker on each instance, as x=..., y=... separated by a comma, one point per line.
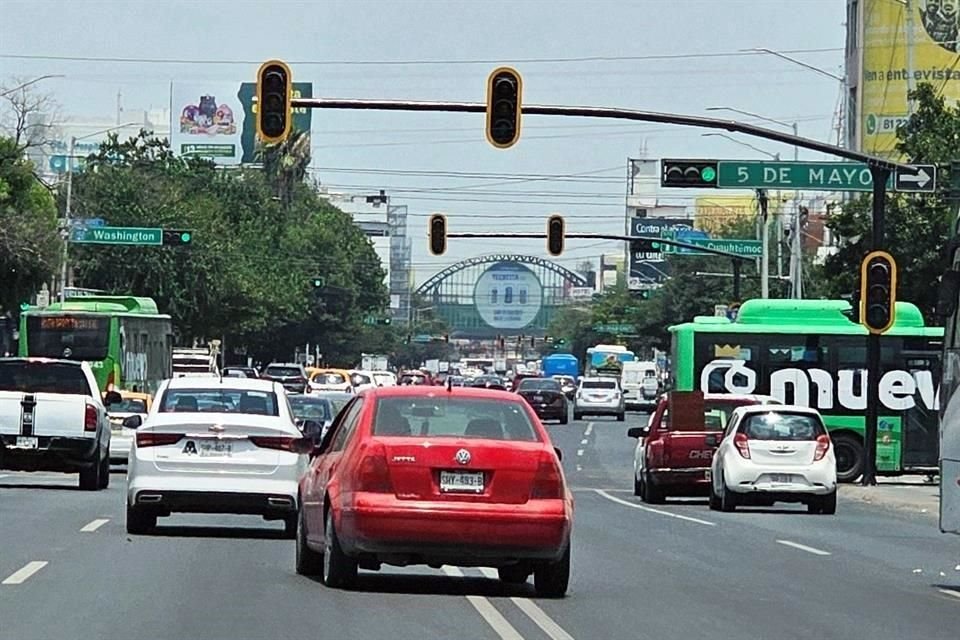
x=508, y=295
x=206, y=121
x=885, y=70
x=648, y=267
x=248, y=134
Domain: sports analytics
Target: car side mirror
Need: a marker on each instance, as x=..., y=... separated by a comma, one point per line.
x=638, y=432
x=559, y=453
x=112, y=397
x=713, y=439
x=132, y=422
x=312, y=430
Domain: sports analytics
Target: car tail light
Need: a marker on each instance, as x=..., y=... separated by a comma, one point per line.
x=282, y=443
x=823, y=445
x=154, y=439
x=742, y=443
x=548, y=482
x=373, y=475
x=90, y=418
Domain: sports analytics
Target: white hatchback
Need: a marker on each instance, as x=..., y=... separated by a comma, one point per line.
x=212, y=445
x=772, y=453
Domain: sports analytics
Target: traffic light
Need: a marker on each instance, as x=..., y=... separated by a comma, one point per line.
x=645, y=294
x=646, y=245
x=555, y=230
x=688, y=173
x=177, y=237
x=317, y=282
x=438, y=234
x=274, y=93
x=504, y=92
x=878, y=291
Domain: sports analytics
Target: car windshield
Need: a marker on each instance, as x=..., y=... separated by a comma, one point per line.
x=242, y=401
x=775, y=425
x=534, y=384
x=444, y=417
x=329, y=378
x=631, y=377
x=358, y=379
x=307, y=408
x=599, y=384
x=129, y=405
x=234, y=373
x=283, y=372
x=43, y=377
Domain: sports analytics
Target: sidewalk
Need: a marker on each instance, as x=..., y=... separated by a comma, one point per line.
x=907, y=493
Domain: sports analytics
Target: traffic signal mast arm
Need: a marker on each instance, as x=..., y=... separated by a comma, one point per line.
x=608, y=113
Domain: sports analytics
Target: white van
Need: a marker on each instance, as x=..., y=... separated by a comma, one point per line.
x=640, y=382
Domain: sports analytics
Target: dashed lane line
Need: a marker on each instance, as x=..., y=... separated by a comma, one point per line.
x=803, y=547
x=488, y=612
x=535, y=613
x=641, y=507
x=23, y=574
x=94, y=525
x=584, y=441
x=579, y=452
x=588, y=430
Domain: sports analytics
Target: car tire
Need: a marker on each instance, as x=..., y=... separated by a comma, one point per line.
x=309, y=562
x=728, y=499
x=552, y=579
x=850, y=455
x=514, y=574
x=637, y=486
x=714, y=499
x=621, y=417
x=652, y=494
x=828, y=503
x=577, y=416
x=564, y=419
x=90, y=478
x=290, y=524
x=140, y=521
x=105, y=473
x=339, y=570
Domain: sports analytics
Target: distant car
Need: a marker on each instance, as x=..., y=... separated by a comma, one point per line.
x=384, y=378
x=315, y=408
x=429, y=475
x=599, y=397
x=362, y=380
x=489, y=382
x=292, y=376
x=133, y=403
x=414, y=378
x=336, y=398
x=775, y=453
x=212, y=445
x=568, y=384
x=545, y=397
x=240, y=372
x=519, y=377
x=323, y=381
x=456, y=381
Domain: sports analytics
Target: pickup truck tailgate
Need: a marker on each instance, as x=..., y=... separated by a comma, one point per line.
x=43, y=414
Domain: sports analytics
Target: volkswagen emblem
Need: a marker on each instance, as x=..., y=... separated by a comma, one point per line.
x=462, y=456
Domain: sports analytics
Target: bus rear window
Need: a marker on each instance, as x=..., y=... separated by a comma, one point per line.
x=73, y=337
x=43, y=377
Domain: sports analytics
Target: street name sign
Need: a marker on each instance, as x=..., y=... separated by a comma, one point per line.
x=819, y=176
x=117, y=235
x=748, y=248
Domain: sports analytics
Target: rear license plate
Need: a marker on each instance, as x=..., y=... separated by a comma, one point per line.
x=461, y=482
x=538, y=398
x=780, y=478
x=214, y=449
x=26, y=442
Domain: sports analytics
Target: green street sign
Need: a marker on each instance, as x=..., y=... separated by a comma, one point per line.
x=117, y=235
x=749, y=248
x=820, y=176
x=614, y=328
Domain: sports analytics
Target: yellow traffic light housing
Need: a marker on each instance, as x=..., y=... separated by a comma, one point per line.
x=555, y=231
x=878, y=292
x=437, y=230
x=274, y=107
x=504, y=94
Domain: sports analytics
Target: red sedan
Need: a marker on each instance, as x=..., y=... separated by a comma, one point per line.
x=436, y=476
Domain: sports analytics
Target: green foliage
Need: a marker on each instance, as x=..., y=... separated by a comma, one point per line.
x=917, y=227
x=248, y=275
x=29, y=244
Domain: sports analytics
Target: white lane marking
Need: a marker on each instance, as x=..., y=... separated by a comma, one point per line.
x=21, y=575
x=487, y=611
x=584, y=441
x=950, y=592
x=803, y=547
x=669, y=514
x=579, y=452
x=589, y=429
x=534, y=612
x=579, y=468
x=93, y=526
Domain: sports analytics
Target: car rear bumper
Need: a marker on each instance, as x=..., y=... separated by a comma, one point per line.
x=598, y=409
x=809, y=480
x=53, y=453
x=460, y=534
x=677, y=477
x=211, y=494
x=550, y=413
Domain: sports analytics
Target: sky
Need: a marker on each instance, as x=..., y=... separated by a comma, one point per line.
x=679, y=56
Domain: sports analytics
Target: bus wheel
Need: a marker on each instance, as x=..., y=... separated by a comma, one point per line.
x=849, y=452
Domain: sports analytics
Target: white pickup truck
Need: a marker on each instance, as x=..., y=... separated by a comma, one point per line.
x=53, y=419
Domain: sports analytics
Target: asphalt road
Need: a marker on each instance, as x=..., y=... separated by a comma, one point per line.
x=69, y=570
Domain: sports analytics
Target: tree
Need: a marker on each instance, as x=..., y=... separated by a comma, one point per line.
x=917, y=225
x=30, y=116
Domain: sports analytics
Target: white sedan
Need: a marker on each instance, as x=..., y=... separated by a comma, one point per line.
x=774, y=453
x=213, y=445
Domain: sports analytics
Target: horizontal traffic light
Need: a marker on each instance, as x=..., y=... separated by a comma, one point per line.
x=504, y=93
x=878, y=291
x=555, y=235
x=176, y=237
x=688, y=173
x=274, y=95
x=437, y=230
x=646, y=245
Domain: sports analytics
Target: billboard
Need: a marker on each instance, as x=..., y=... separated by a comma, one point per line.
x=206, y=121
x=508, y=295
x=713, y=213
x=248, y=134
x=648, y=268
x=885, y=70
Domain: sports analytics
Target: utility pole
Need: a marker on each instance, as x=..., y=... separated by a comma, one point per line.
x=765, y=245
x=65, y=231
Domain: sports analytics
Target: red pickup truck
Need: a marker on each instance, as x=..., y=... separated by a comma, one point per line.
x=670, y=462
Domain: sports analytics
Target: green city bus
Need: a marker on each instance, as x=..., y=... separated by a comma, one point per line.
x=127, y=342
x=808, y=352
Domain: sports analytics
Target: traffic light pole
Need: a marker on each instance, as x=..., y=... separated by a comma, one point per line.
x=880, y=176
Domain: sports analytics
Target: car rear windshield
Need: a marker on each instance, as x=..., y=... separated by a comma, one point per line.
x=311, y=408
x=444, y=417
x=129, y=405
x=262, y=403
x=599, y=384
x=329, y=378
x=283, y=372
x=43, y=377
x=531, y=384
x=775, y=425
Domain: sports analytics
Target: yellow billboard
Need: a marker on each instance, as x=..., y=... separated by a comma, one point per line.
x=714, y=213
x=905, y=43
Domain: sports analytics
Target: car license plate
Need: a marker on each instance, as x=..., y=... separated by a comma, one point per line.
x=215, y=449
x=27, y=442
x=538, y=398
x=461, y=482
x=780, y=478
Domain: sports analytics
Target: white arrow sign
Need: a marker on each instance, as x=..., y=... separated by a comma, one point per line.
x=922, y=178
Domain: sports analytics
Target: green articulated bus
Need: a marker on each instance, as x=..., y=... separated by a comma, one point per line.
x=808, y=352
x=127, y=342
